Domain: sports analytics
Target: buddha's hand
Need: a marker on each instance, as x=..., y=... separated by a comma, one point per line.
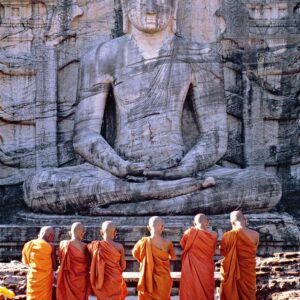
x=134, y=169
x=179, y=172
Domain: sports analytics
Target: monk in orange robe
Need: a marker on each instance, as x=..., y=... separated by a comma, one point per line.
x=154, y=254
x=197, y=271
x=73, y=275
x=238, y=246
x=40, y=256
x=107, y=265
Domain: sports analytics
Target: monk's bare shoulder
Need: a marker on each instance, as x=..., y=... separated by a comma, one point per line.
x=214, y=233
x=84, y=245
x=168, y=244
x=119, y=247
x=189, y=230
x=253, y=234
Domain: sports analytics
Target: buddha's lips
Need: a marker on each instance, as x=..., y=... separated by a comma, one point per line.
x=151, y=20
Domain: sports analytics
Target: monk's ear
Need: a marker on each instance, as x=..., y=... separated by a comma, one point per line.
x=101, y=232
x=148, y=227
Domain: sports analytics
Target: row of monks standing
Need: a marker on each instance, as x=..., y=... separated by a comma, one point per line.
x=96, y=269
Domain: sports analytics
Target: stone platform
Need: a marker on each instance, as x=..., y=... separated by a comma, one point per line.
x=278, y=232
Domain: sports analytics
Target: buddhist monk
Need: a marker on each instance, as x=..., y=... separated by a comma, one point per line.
x=107, y=266
x=73, y=275
x=40, y=256
x=154, y=254
x=197, y=271
x=238, y=246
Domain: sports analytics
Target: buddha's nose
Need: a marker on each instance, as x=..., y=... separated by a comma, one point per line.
x=151, y=7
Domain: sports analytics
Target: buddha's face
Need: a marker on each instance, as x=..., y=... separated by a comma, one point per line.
x=150, y=16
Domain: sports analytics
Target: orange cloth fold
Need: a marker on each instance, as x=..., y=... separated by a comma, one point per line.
x=155, y=282
x=197, y=271
x=106, y=273
x=73, y=275
x=37, y=255
x=238, y=275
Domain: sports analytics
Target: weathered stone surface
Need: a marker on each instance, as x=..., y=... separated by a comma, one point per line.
x=151, y=73
x=43, y=42
x=278, y=277
x=278, y=232
x=13, y=277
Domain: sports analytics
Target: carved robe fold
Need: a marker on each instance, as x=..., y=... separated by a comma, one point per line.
x=73, y=276
x=106, y=273
x=197, y=271
x=155, y=282
x=37, y=255
x=238, y=267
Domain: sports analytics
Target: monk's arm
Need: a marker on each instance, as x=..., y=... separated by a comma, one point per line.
x=123, y=260
x=184, y=240
x=25, y=255
x=172, y=253
x=138, y=251
x=54, y=258
x=60, y=250
x=223, y=251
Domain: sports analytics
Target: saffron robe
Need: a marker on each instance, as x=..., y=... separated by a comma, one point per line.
x=238, y=275
x=37, y=254
x=73, y=275
x=197, y=271
x=155, y=282
x=106, y=273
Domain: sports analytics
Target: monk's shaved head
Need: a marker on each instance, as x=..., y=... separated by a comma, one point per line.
x=108, y=226
x=156, y=225
x=77, y=231
x=76, y=228
x=237, y=215
x=155, y=221
x=47, y=233
x=200, y=219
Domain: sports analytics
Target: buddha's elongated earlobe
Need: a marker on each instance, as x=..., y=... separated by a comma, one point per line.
x=125, y=16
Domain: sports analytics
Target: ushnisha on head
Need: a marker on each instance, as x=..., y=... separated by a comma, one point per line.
x=149, y=16
x=156, y=225
x=47, y=234
x=108, y=230
x=237, y=219
x=77, y=231
x=201, y=221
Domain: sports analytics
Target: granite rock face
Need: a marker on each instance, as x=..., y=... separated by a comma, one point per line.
x=41, y=46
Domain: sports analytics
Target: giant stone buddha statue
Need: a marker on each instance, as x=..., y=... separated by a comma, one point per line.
x=148, y=169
